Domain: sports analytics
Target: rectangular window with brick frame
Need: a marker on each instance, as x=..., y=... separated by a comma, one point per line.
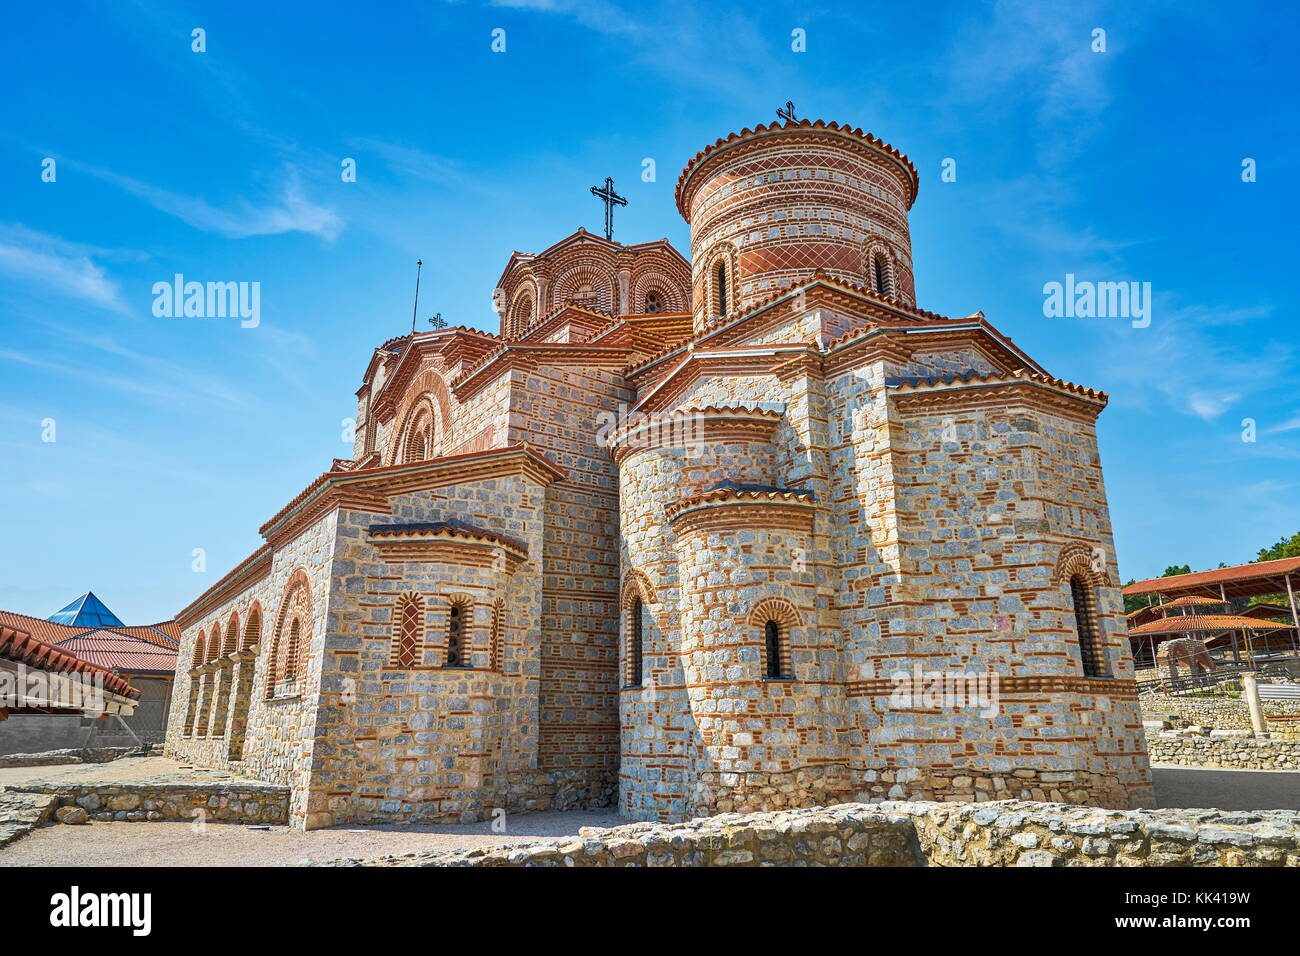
x=408, y=633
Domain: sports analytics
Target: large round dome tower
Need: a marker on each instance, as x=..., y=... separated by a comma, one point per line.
x=770, y=205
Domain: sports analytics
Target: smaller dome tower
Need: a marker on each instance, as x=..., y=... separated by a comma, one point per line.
x=770, y=205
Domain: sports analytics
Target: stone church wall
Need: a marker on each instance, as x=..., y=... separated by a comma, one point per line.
x=277, y=739
x=424, y=743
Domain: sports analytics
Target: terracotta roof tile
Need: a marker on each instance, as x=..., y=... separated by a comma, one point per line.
x=448, y=529
x=1235, y=574
x=1000, y=378
x=1186, y=623
x=114, y=651
x=734, y=492
x=23, y=648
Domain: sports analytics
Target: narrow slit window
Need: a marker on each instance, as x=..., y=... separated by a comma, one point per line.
x=636, y=645
x=772, y=642
x=1085, y=623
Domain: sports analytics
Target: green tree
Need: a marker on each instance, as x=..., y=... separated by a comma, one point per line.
x=1286, y=548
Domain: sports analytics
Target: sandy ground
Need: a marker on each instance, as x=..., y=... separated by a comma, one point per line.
x=126, y=770
x=176, y=844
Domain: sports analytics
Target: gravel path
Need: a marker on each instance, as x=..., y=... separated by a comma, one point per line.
x=176, y=844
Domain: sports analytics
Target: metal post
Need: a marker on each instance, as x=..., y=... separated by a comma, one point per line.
x=1295, y=641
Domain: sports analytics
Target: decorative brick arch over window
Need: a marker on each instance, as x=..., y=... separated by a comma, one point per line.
x=775, y=620
x=588, y=283
x=721, y=281
x=231, y=643
x=523, y=310
x=663, y=288
x=199, y=657
x=498, y=636
x=458, y=644
x=293, y=628
x=426, y=390
x=1082, y=559
x=419, y=433
x=879, y=270
x=408, y=632
x=252, y=636
x=633, y=603
x=1078, y=574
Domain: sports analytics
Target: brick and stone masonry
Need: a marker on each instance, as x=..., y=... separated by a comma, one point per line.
x=669, y=539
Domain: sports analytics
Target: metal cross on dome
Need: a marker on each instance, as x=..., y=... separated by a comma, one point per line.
x=787, y=114
x=610, y=199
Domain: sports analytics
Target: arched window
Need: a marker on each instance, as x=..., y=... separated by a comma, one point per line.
x=458, y=639
x=417, y=445
x=1085, y=624
x=654, y=302
x=720, y=281
x=635, y=644
x=523, y=313
x=200, y=650
x=408, y=632
x=880, y=270
x=291, y=651
x=498, y=635
x=252, y=630
x=232, y=638
x=286, y=662
x=773, y=650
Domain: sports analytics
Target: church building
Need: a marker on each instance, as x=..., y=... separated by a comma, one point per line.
x=742, y=531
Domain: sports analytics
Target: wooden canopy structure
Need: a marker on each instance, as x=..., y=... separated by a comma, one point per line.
x=1181, y=600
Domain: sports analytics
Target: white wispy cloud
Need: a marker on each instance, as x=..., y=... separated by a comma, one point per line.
x=1185, y=359
x=284, y=210
x=57, y=266
x=1036, y=57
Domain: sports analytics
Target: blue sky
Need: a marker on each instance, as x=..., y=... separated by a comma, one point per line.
x=181, y=433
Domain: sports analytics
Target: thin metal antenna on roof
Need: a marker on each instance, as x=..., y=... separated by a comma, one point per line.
x=419, y=265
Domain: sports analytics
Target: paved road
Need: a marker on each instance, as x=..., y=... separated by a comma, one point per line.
x=1226, y=789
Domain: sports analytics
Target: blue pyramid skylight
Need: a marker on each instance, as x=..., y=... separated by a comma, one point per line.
x=86, y=611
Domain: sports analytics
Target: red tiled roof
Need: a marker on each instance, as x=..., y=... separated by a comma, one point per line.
x=23, y=648
x=1191, y=602
x=165, y=634
x=740, y=494
x=445, y=529
x=1186, y=623
x=114, y=651
x=1002, y=378
x=1249, y=578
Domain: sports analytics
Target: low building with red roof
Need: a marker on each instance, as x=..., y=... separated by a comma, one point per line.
x=139, y=658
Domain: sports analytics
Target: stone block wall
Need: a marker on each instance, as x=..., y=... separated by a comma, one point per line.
x=430, y=742
x=1007, y=833
x=1282, y=717
x=249, y=727
x=139, y=803
x=1237, y=752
